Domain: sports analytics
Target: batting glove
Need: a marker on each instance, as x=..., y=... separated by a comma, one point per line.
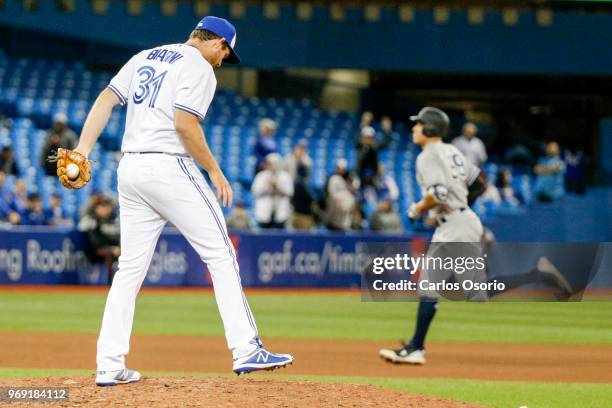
x=413, y=213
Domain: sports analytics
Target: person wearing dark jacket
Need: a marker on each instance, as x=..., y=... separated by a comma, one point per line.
x=50, y=149
x=8, y=163
x=60, y=135
x=102, y=232
x=303, y=201
x=367, y=151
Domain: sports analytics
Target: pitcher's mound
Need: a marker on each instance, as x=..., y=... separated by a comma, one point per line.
x=230, y=392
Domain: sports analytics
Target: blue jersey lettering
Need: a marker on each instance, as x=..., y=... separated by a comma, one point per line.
x=174, y=57
x=152, y=54
x=164, y=55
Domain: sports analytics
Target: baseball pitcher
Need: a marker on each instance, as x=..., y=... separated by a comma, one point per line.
x=168, y=90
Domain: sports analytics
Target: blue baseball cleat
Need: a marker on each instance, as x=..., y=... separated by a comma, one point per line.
x=261, y=359
x=110, y=378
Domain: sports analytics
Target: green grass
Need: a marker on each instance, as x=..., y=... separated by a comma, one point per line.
x=322, y=316
x=344, y=316
x=502, y=394
x=42, y=372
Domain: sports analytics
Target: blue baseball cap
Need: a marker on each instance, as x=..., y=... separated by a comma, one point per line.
x=224, y=29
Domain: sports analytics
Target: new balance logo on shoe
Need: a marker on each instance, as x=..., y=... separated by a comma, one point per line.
x=110, y=378
x=262, y=357
x=261, y=360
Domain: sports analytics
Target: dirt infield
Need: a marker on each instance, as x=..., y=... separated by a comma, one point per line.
x=226, y=392
x=520, y=362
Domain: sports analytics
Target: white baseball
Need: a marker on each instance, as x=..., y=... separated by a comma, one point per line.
x=72, y=171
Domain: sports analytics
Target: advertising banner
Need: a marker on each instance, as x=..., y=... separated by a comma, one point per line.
x=50, y=256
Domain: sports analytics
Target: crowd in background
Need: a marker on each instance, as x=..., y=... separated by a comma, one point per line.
x=366, y=197
x=556, y=172
x=98, y=218
x=351, y=199
x=360, y=198
x=18, y=206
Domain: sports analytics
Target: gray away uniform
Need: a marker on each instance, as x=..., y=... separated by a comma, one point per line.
x=443, y=172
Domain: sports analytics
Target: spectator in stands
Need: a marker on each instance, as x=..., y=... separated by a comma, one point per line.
x=341, y=201
x=8, y=163
x=7, y=214
x=88, y=208
x=5, y=122
x=102, y=235
x=470, y=145
x=68, y=139
x=19, y=198
x=367, y=151
x=504, y=186
x=13, y=218
x=303, y=201
x=34, y=213
x=265, y=143
x=387, y=126
x=358, y=219
x=60, y=135
x=299, y=157
x=272, y=189
x=55, y=212
x=239, y=218
x=575, y=175
x=386, y=185
x=366, y=119
x=385, y=218
x=4, y=189
x=549, y=184
x=520, y=157
x=50, y=149
x=490, y=195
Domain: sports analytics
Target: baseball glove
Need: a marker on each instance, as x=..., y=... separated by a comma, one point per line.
x=65, y=157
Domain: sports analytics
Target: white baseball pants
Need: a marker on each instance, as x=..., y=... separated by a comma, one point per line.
x=154, y=189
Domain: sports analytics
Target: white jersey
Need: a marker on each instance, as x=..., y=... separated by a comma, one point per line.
x=153, y=84
x=443, y=172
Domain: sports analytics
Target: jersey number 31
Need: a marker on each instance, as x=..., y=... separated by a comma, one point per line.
x=149, y=85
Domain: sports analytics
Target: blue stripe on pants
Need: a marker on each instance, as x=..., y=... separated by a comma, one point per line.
x=223, y=234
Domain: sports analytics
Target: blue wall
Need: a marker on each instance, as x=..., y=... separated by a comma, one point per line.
x=574, y=44
x=605, y=149
x=574, y=219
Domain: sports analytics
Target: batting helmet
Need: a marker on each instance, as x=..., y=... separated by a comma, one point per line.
x=435, y=121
